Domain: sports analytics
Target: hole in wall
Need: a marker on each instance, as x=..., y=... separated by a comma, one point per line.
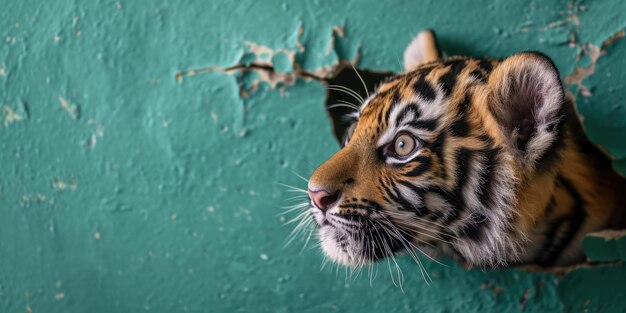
x=346, y=77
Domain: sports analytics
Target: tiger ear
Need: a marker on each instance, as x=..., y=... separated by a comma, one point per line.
x=422, y=49
x=527, y=98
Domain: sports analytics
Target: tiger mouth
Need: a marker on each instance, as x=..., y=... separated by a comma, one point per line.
x=355, y=239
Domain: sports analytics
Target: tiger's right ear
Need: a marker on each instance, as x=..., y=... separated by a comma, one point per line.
x=422, y=49
x=527, y=98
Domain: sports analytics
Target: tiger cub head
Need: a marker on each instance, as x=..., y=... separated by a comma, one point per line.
x=437, y=158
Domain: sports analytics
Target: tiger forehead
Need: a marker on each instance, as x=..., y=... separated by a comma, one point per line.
x=426, y=82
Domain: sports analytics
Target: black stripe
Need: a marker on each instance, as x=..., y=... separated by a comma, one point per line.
x=423, y=88
x=421, y=211
x=463, y=157
x=479, y=76
x=409, y=108
x=356, y=206
x=375, y=205
x=380, y=118
x=475, y=230
x=460, y=127
x=487, y=177
x=404, y=204
x=399, y=199
x=486, y=139
x=394, y=101
x=553, y=246
x=437, y=148
x=430, y=124
x=425, y=164
x=448, y=80
x=485, y=65
x=550, y=207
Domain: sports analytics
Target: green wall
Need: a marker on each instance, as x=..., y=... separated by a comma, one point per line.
x=135, y=175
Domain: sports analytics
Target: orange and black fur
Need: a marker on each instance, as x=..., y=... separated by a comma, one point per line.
x=477, y=159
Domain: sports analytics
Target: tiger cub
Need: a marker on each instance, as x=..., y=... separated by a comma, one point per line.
x=477, y=159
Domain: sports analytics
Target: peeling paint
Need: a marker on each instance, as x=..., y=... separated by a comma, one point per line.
x=11, y=116
x=91, y=142
x=606, y=246
x=580, y=73
x=71, y=109
x=61, y=185
x=276, y=68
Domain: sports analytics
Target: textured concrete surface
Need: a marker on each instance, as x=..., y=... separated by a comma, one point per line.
x=143, y=143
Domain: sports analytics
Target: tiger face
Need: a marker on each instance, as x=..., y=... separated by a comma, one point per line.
x=441, y=159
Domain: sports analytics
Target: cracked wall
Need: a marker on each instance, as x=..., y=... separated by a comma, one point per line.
x=143, y=143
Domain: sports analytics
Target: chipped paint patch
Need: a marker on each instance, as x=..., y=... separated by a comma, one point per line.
x=72, y=109
x=593, y=52
x=277, y=68
x=61, y=185
x=98, y=132
x=606, y=246
x=11, y=116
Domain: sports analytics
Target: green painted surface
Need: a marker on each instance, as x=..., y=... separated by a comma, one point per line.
x=605, y=248
x=125, y=189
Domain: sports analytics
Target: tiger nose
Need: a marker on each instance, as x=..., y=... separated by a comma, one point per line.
x=322, y=199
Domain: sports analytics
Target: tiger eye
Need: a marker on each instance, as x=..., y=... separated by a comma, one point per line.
x=404, y=145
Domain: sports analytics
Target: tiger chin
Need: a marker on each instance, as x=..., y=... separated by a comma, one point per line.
x=476, y=159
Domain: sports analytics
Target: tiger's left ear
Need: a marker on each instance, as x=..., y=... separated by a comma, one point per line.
x=527, y=98
x=422, y=49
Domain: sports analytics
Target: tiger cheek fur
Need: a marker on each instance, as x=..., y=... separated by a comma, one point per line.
x=498, y=170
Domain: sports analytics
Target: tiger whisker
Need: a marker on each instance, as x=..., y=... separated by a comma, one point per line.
x=411, y=254
x=300, y=176
x=419, y=219
x=301, y=216
x=390, y=224
x=311, y=230
x=361, y=79
x=297, y=197
x=417, y=224
x=348, y=91
x=436, y=233
x=293, y=188
x=349, y=103
x=341, y=105
x=305, y=219
x=389, y=252
x=410, y=235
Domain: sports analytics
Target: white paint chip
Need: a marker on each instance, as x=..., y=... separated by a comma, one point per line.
x=60, y=185
x=71, y=109
x=263, y=256
x=11, y=116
